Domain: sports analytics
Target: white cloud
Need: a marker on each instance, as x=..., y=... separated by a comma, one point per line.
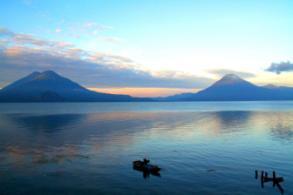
x=25, y=53
x=58, y=30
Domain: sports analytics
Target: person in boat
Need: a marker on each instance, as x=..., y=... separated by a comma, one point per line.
x=145, y=161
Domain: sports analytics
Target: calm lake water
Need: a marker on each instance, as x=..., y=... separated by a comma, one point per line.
x=88, y=148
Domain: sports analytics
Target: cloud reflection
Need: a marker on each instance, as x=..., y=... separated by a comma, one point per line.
x=59, y=139
x=37, y=156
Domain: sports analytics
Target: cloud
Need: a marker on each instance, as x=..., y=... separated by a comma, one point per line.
x=94, y=27
x=280, y=67
x=223, y=72
x=22, y=54
x=115, y=40
x=30, y=41
x=5, y=32
x=58, y=30
x=88, y=29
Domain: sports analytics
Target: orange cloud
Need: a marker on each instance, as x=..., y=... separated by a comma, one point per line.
x=14, y=51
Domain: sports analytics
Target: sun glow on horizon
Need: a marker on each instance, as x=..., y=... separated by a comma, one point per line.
x=144, y=92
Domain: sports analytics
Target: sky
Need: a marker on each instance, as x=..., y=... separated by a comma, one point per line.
x=148, y=47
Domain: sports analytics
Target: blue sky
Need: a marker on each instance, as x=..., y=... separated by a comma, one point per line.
x=194, y=41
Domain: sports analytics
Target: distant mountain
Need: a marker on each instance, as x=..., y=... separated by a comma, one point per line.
x=233, y=88
x=49, y=86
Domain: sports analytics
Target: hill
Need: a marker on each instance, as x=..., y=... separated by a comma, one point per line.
x=233, y=88
x=48, y=86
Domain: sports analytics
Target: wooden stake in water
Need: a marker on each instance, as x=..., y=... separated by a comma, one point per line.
x=262, y=179
x=274, y=178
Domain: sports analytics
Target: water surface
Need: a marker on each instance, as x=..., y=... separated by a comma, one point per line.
x=203, y=148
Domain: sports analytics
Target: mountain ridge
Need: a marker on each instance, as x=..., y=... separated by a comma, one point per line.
x=233, y=88
x=49, y=86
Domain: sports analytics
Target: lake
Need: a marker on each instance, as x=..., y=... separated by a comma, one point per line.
x=88, y=148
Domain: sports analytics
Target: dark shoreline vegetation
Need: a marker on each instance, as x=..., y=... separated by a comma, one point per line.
x=49, y=86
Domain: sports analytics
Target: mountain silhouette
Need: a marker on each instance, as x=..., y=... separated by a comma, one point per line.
x=233, y=88
x=49, y=86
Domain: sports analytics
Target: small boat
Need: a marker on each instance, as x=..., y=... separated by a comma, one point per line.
x=145, y=166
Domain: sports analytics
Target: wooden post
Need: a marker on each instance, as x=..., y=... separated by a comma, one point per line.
x=280, y=188
x=256, y=174
x=274, y=178
x=261, y=179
